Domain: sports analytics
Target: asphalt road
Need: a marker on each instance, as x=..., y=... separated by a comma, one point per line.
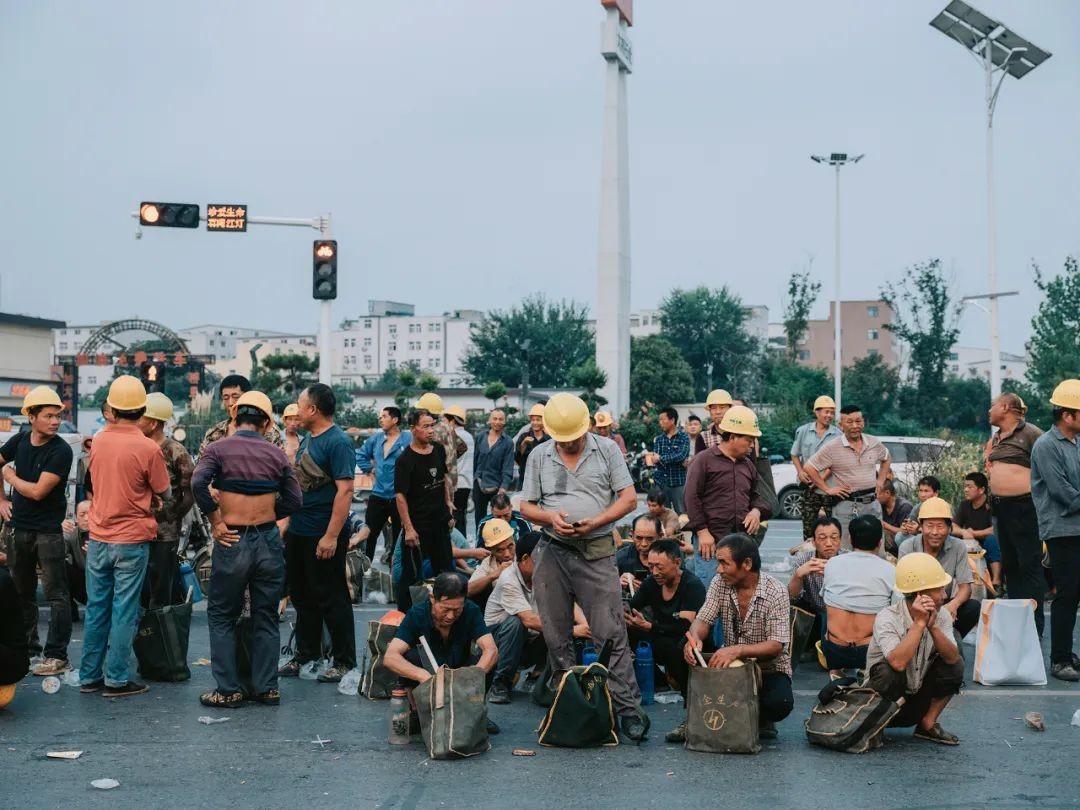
x=164, y=758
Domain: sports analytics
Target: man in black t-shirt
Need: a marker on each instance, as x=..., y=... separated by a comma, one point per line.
x=425, y=501
x=973, y=521
x=36, y=466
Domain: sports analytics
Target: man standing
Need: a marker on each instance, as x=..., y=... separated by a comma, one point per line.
x=693, y=430
x=810, y=438
x=717, y=404
x=605, y=426
x=493, y=464
x=249, y=475
x=670, y=451
x=456, y=414
x=290, y=418
x=1016, y=524
x=973, y=521
x=162, y=586
x=529, y=439
x=129, y=480
x=1055, y=487
x=576, y=488
x=722, y=494
x=858, y=465
x=36, y=466
x=445, y=434
x=230, y=389
x=380, y=453
x=425, y=502
x=318, y=537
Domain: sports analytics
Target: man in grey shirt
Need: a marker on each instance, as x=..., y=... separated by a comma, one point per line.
x=575, y=489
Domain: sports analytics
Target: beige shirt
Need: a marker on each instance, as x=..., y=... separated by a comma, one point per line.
x=890, y=627
x=849, y=467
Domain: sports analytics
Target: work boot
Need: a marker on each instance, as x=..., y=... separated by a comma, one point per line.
x=1062, y=670
x=129, y=688
x=677, y=734
x=767, y=730
x=499, y=692
x=635, y=727
x=334, y=674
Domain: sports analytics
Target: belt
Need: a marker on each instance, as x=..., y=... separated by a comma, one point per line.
x=1010, y=498
x=839, y=643
x=259, y=527
x=861, y=495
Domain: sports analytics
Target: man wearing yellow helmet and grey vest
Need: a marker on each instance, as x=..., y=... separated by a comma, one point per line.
x=576, y=487
x=810, y=438
x=35, y=466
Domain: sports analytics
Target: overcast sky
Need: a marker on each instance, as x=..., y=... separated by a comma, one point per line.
x=457, y=144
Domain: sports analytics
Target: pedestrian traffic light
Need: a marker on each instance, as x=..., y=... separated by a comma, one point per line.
x=324, y=270
x=152, y=374
x=169, y=215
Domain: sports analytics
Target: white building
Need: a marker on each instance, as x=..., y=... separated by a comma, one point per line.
x=647, y=322
x=220, y=341
x=974, y=361
x=240, y=363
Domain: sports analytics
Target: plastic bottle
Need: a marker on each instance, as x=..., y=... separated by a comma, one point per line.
x=589, y=656
x=399, y=717
x=643, y=671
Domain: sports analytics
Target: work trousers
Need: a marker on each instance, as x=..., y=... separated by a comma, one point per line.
x=434, y=546
x=480, y=501
x=461, y=508
x=675, y=498
x=844, y=511
x=563, y=576
x=162, y=584
x=813, y=501
x=379, y=511
x=253, y=563
x=114, y=578
x=1065, y=565
x=1016, y=527
x=518, y=648
x=320, y=594
x=26, y=551
x=941, y=680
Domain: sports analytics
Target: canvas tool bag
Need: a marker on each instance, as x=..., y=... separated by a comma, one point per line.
x=161, y=642
x=1007, y=647
x=453, y=714
x=378, y=681
x=802, y=624
x=722, y=709
x=850, y=718
x=357, y=565
x=581, y=713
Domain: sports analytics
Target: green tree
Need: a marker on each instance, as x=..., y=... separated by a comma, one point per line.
x=708, y=327
x=658, y=373
x=359, y=416
x=927, y=320
x=871, y=384
x=283, y=376
x=559, y=339
x=801, y=295
x=791, y=389
x=590, y=378
x=427, y=381
x=494, y=391
x=1054, y=347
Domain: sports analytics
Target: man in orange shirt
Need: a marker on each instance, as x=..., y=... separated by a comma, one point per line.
x=128, y=478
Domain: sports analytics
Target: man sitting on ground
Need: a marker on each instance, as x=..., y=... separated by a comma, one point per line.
x=632, y=559
x=658, y=505
x=928, y=487
x=973, y=521
x=913, y=654
x=501, y=509
x=935, y=524
x=754, y=610
x=808, y=567
x=663, y=608
x=498, y=539
x=857, y=586
x=894, y=511
x=451, y=624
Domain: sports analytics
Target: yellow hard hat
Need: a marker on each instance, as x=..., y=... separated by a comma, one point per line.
x=824, y=401
x=256, y=399
x=536, y=410
x=603, y=419
x=159, y=406
x=457, y=412
x=566, y=417
x=7, y=694
x=292, y=409
x=126, y=394
x=432, y=403
x=920, y=572
x=740, y=419
x=718, y=396
x=1067, y=395
x=496, y=532
x=42, y=395
x=935, y=508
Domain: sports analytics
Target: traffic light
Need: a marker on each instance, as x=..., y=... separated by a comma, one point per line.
x=152, y=374
x=169, y=215
x=324, y=270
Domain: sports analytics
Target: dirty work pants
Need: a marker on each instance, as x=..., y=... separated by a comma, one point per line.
x=26, y=551
x=1016, y=528
x=846, y=510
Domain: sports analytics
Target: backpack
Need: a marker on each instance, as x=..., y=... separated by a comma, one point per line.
x=581, y=713
x=850, y=718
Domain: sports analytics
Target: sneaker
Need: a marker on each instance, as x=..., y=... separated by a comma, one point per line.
x=334, y=674
x=222, y=700
x=271, y=697
x=1065, y=671
x=677, y=734
x=767, y=730
x=90, y=687
x=290, y=670
x=499, y=692
x=51, y=666
x=129, y=688
x=635, y=727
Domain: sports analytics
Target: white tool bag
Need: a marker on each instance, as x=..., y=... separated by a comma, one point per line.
x=1007, y=647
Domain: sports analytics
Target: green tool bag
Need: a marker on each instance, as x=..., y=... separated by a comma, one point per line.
x=850, y=718
x=378, y=682
x=581, y=714
x=161, y=642
x=453, y=714
x=722, y=710
x=802, y=625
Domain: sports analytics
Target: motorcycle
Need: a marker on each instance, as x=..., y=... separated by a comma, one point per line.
x=644, y=476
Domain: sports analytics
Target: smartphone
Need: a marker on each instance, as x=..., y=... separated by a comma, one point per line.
x=577, y=524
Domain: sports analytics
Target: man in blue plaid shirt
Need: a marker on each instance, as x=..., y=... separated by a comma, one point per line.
x=671, y=449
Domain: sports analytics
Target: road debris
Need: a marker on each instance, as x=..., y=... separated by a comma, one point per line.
x=209, y=721
x=1035, y=720
x=105, y=784
x=523, y=752
x=64, y=754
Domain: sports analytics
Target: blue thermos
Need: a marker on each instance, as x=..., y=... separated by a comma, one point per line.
x=644, y=672
x=187, y=573
x=589, y=656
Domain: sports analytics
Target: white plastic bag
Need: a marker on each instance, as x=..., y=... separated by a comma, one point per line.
x=1007, y=647
x=350, y=682
x=309, y=671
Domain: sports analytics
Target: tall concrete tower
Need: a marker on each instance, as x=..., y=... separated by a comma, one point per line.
x=613, y=260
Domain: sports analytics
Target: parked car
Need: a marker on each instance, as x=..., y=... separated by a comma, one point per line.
x=908, y=454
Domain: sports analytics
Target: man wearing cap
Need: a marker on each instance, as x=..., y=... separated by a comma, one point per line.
x=498, y=540
x=810, y=438
x=531, y=437
x=493, y=464
x=455, y=414
x=723, y=492
x=670, y=451
x=717, y=404
x=230, y=389
x=36, y=466
x=445, y=434
x=605, y=426
x=129, y=479
x=576, y=488
x=256, y=487
x=379, y=454
x=857, y=465
x=913, y=653
x=935, y=538
x=1055, y=488
x=290, y=418
x=162, y=586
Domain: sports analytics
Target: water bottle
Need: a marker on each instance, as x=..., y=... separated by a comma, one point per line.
x=191, y=581
x=399, y=717
x=644, y=672
x=589, y=656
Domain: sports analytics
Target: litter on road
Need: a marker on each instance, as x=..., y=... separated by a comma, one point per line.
x=64, y=754
x=105, y=784
x=208, y=721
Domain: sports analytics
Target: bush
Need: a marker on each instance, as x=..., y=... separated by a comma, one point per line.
x=958, y=459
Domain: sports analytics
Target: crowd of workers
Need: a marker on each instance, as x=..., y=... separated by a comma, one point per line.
x=880, y=589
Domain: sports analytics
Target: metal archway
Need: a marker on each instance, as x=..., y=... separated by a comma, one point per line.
x=106, y=335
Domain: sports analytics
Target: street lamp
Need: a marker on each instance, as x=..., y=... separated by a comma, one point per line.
x=997, y=49
x=837, y=160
